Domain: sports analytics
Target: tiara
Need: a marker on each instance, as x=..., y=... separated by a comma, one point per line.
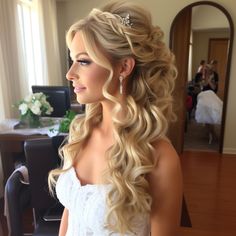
x=126, y=21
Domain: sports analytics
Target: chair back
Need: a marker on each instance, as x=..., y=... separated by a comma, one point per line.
x=41, y=158
x=17, y=199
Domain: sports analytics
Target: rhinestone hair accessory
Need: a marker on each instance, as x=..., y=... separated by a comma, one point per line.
x=126, y=21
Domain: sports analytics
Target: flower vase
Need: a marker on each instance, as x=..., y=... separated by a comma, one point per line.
x=31, y=121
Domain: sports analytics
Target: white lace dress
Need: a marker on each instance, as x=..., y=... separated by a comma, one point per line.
x=87, y=207
x=209, y=108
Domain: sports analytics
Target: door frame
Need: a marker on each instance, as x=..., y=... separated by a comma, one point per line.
x=213, y=54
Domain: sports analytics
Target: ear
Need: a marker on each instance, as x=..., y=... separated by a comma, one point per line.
x=127, y=66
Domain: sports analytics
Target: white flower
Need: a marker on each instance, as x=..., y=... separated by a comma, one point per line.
x=49, y=110
x=35, y=103
x=28, y=98
x=38, y=95
x=43, y=99
x=23, y=108
x=35, y=108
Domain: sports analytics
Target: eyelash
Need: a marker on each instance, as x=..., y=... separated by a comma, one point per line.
x=83, y=62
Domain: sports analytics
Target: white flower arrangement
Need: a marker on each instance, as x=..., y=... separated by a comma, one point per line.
x=36, y=104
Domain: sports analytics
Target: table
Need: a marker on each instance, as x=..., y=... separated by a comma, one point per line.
x=12, y=142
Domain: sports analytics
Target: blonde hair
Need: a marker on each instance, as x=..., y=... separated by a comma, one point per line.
x=149, y=106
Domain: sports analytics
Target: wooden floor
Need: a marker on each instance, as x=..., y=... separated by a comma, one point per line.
x=196, y=136
x=210, y=193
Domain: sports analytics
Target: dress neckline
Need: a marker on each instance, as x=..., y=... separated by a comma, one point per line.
x=77, y=180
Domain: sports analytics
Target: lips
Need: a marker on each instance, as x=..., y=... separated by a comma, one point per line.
x=79, y=88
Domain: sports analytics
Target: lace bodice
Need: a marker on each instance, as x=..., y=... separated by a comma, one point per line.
x=87, y=208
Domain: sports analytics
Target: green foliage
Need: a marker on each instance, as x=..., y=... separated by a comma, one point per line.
x=65, y=123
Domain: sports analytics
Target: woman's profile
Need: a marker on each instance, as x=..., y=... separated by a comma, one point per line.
x=120, y=175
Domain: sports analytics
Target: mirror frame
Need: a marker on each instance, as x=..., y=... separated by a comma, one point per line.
x=227, y=76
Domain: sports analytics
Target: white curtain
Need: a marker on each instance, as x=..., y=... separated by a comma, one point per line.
x=14, y=81
x=48, y=19
x=10, y=73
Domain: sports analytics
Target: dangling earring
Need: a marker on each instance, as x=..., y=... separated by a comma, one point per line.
x=121, y=78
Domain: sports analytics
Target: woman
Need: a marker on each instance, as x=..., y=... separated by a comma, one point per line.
x=120, y=174
x=211, y=79
x=202, y=69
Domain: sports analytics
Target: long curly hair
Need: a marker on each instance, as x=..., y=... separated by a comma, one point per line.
x=149, y=106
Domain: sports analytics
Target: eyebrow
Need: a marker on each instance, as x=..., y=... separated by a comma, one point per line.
x=79, y=54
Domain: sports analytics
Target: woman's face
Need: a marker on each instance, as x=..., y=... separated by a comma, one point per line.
x=87, y=77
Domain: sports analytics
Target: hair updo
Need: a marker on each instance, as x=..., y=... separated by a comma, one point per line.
x=149, y=102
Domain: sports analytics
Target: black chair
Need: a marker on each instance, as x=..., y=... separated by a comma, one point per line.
x=41, y=157
x=57, y=96
x=18, y=198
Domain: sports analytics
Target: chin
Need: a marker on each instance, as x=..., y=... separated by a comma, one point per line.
x=87, y=99
x=83, y=101
x=80, y=101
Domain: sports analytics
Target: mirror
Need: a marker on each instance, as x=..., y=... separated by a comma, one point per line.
x=202, y=31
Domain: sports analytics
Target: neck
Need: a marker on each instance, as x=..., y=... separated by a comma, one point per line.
x=107, y=125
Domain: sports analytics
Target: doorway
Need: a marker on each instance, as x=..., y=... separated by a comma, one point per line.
x=218, y=50
x=180, y=44
x=197, y=135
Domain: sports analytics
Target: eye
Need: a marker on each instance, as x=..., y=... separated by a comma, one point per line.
x=83, y=62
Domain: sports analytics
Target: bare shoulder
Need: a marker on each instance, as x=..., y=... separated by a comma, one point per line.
x=167, y=163
x=165, y=154
x=167, y=171
x=166, y=189
x=166, y=175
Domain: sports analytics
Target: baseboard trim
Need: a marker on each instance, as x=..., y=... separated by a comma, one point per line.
x=229, y=150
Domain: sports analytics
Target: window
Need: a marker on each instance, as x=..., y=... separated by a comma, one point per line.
x=30, y=41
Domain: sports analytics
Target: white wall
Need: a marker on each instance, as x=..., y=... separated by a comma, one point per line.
x=201, y=19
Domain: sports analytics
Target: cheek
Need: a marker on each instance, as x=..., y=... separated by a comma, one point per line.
x=97, y=78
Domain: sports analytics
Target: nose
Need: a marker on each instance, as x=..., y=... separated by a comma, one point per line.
x=72, y=73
